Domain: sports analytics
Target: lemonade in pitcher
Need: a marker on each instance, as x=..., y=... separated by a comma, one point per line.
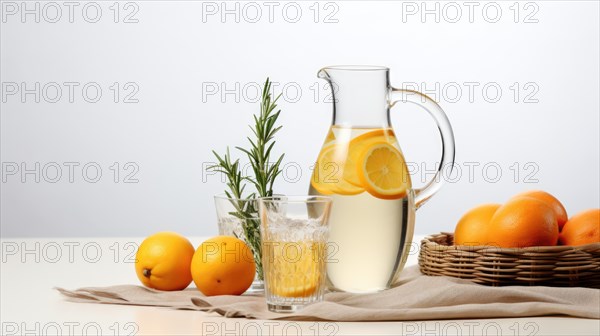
x=364, y=171
x=362, y=168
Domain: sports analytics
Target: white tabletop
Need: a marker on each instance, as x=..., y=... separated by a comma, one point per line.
x=30, y=268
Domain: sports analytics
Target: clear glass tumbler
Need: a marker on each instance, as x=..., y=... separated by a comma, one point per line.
x=239, y=218
x=294, y=232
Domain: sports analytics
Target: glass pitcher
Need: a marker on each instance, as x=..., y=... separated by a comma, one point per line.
x=363, y=169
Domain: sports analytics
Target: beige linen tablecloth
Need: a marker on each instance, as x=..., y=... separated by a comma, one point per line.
x=415, y=297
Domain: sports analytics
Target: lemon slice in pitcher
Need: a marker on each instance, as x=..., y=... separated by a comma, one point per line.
x=357, y=147
x=328, y=175
x=330, y=137
x=383, y=172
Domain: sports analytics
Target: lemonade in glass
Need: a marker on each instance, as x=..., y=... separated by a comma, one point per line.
x=294, y=235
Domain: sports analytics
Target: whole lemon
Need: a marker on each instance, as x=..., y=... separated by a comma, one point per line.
x=163, y=261
x=223, y=265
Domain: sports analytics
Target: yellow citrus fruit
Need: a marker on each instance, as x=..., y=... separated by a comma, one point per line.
x=386, y=133
x=330, y=137
x=223, y=265
x=471, y=229
x=383, y=172
x=328, y=175
x=522, y=222
x=163, y=261
x=581, y=229
x=553, y=202
x=357, y=147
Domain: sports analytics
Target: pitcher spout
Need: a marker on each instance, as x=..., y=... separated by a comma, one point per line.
x=359, y=94
x=323, y=74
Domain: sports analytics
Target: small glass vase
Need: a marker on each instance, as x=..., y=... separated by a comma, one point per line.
x=239, y=218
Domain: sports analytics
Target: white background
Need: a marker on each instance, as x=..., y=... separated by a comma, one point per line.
x=176, y=51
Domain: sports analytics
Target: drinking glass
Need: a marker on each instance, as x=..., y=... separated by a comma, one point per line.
x=239, y=218
x=294, y=232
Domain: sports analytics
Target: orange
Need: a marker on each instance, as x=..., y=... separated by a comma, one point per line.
x=163, y=261
x=523, y=222
x=581, y=229
x=328, y=178
x=383, y=172
x=559, y=209
x=223, y=265
x=473, y=226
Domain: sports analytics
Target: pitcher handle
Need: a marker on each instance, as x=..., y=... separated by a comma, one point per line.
x=446, y=134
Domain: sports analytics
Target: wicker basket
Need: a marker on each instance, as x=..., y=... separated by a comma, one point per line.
x=564, y=266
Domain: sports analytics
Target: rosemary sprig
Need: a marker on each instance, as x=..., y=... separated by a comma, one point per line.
x=233, y=174
x=245, y=207
x=260, y=148
x=265, y=173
